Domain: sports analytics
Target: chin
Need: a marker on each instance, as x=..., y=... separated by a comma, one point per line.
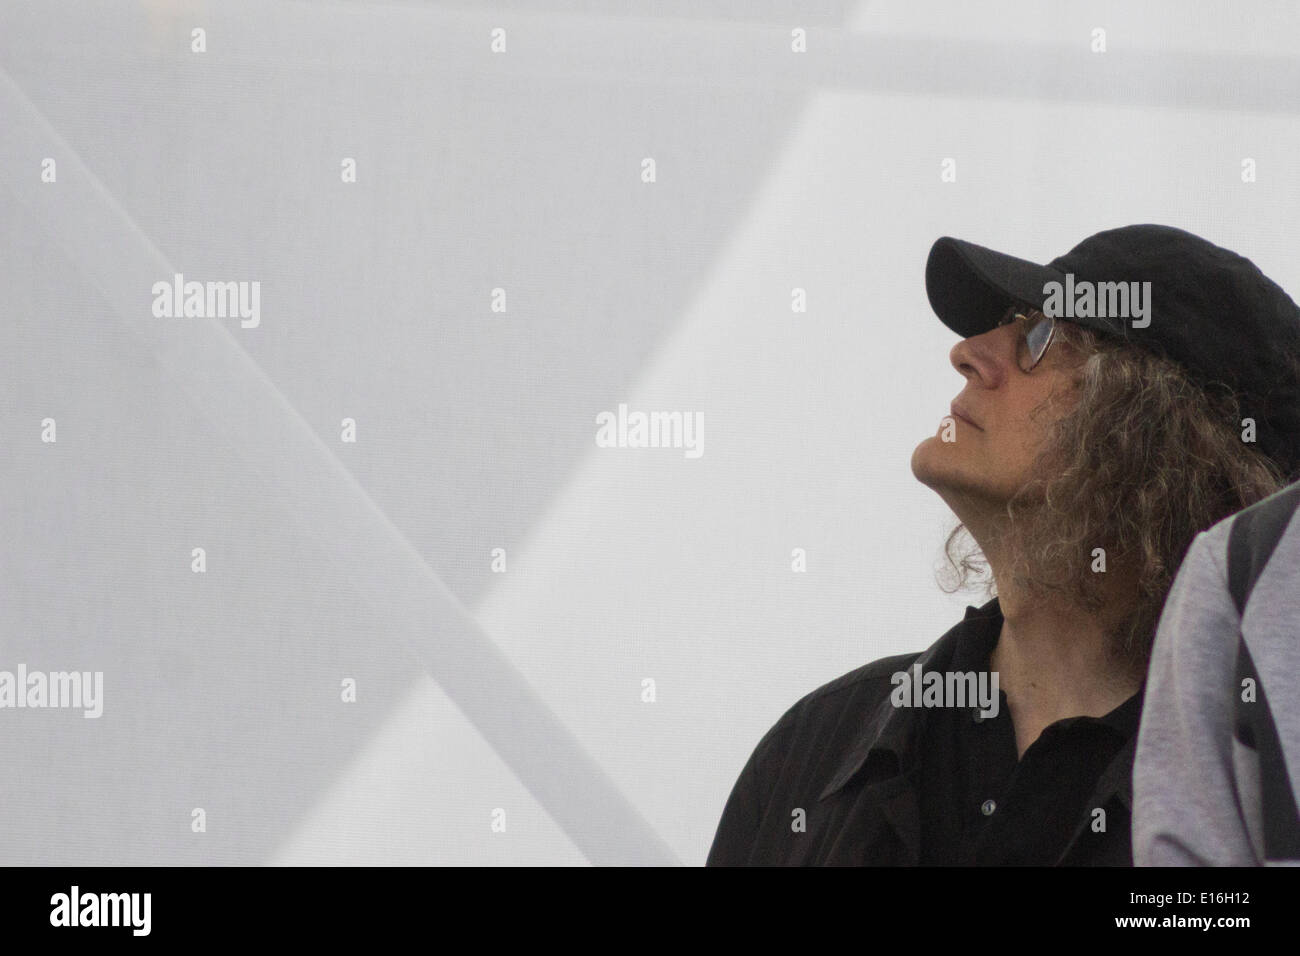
x=932, y=462
x=942, y=468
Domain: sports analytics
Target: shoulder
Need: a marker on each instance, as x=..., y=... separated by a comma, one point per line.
x=1261, y=523
x=868, y=677
x=803, y=750
x=1279, y=506
x=856, y=693
x=1232, y=553
x=840, y=705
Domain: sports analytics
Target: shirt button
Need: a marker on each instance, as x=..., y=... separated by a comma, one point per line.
x=987, y=808
x=976, y=716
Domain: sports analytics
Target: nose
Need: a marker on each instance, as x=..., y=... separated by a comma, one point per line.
x=981, y=358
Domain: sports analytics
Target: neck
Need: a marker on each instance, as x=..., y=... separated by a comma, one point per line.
x=1053, y=658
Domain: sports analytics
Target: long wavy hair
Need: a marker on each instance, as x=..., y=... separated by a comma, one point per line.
x=1145, y=460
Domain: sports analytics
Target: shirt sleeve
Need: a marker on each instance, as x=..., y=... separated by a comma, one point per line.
x=1186, y=799
x=736, y=839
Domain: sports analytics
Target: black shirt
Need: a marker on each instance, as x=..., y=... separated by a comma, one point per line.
x=837, y=780
x=981, y=803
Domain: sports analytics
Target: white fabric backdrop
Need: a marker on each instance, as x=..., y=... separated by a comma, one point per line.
x=521, y=691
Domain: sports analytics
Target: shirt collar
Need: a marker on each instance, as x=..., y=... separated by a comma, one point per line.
x=1126, y=717
x=890, y=733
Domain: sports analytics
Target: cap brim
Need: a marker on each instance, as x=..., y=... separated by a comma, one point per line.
x=970, y=286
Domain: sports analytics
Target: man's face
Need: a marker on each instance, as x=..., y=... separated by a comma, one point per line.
x=999, y=421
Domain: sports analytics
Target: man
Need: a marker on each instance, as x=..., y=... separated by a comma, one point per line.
x=1218, y=754
x=1117, y=401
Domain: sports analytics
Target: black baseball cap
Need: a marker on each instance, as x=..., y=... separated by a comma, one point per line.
x=1205, y=307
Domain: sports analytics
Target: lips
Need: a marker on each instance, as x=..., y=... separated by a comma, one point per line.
x=960, y=412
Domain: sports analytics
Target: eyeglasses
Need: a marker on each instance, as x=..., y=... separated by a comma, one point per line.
x=1036, y=333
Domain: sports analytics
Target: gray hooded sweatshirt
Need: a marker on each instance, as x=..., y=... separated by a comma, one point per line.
x=1218, y=753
